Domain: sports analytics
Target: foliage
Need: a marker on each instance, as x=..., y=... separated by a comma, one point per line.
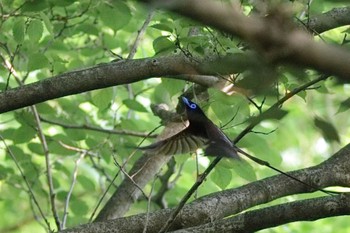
x=40, y=39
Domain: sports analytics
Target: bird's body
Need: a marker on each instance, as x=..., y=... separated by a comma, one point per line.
x=200, y=133
x=203, y=133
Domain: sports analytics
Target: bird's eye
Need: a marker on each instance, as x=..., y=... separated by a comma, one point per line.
x=193, y=106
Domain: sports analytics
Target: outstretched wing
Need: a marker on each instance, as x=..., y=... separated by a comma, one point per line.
x=181, y=143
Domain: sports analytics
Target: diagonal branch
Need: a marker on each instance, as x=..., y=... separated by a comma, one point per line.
x=255, y=220
x=216, y=206
x=94, y=128
x=275, y=36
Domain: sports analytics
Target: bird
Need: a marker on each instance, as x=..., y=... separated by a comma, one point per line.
x=200, y=133
x=203, y=133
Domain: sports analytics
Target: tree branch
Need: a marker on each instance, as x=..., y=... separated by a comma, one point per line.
x=255, y=220
x=229, y=202
x=94, y=128
x=334, y=18
x=275, y=36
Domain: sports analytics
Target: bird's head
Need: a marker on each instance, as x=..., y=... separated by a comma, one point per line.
x=193, y=111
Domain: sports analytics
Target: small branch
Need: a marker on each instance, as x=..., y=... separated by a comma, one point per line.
x=48, y=167
x=94, y=128
x=30, y=191
x=74, y=179
x=140, y=34
x=165, y=185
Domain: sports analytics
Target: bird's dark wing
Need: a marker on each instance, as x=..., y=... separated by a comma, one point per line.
x=181, y=143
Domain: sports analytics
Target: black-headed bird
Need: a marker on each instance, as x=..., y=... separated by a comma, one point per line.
x=203, y=133
x=200, y=133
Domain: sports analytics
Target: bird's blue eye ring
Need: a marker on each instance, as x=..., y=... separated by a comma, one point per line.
x=193, y=106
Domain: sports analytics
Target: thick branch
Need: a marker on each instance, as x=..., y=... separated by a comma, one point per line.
x=332, y=172
x=334, y=18
x=273, y=36
x=101, y=76
x=252, y=221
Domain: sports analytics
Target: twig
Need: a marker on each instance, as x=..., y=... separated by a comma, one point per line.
x=30, y=191
x=149, y=206
x=74, y=179
x=117, y=174
x=109, y=131
x=48, y=167
x=133, y=50
x=129, y=177
x=103, y=195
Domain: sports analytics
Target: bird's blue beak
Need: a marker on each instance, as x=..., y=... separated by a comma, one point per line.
x=186, y=101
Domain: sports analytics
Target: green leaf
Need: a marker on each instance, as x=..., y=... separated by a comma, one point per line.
x=4, y=172
x=162, y=44
x=221, y=177
x=115, y=17
x=86, y=182
x=344, y=106
x=47, y=22
x=110, y=41
x=173, y=86
x=134, y=105
x=56, y=148
x=78, y=207
x=328, y=131
x=23, y=134
x=36, y=148
x=18, y=30
x=102, y=98
x=63, y=3
x=34, y=5
x=35, y=30
x=162, y=27
x=75, y=134
x=273, y=113
x=37, y=61
x=241, y=167
x=88, y=29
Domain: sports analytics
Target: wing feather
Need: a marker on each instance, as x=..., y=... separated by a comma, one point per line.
x=181, y=143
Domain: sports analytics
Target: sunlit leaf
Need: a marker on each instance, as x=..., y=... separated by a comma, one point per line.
x=221, y=177
x=47, y=22
x=162, y=44
x=78, y=206
x=241, y=167
x=35, y=30
x=134, y=105
x=33, y=6
x=36, y=148
x=102, y=98
x=23, y=134
x=162, y=27
x=37, y=61
x=273, y=113
x=86, y=182
x=18, y=30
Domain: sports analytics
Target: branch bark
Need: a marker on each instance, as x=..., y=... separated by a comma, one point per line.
x=274, y=36
x=252, y=221
x=214, y=207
